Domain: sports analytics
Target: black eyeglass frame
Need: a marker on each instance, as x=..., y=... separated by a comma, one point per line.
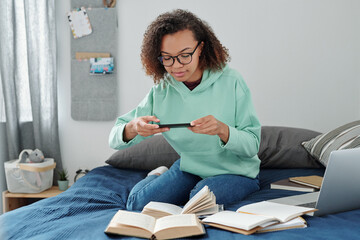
x=177, y=57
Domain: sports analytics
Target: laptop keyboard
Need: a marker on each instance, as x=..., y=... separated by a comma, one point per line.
x=309, y=205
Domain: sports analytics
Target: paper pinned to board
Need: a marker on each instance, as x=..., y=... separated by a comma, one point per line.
x=79, y=22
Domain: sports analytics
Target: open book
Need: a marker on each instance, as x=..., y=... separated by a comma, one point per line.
x=202, y=203
x=144, y=226
x=253, y=217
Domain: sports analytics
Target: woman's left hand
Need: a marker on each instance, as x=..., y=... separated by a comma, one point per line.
x=211, y=126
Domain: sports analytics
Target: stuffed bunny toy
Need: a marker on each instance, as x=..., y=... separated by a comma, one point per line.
x=31, y=156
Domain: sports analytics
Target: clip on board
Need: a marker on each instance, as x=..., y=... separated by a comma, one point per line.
x=111, y=4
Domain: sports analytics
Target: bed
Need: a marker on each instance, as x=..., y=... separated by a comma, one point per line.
x=85, y=209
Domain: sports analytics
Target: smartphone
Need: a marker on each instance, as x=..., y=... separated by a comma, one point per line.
x=175, y=125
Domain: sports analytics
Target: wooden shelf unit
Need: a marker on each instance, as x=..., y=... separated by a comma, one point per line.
x=13, y=201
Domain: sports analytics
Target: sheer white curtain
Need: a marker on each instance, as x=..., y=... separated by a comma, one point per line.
x=3, y=146
x=2, y=104
x=28, y=96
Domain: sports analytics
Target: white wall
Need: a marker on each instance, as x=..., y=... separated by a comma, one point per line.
x=300, y=59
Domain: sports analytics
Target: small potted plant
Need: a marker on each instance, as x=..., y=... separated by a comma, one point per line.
x=63, y=180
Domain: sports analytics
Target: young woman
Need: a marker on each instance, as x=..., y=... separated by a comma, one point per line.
x=193, y=84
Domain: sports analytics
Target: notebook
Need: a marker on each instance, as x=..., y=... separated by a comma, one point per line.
x=338, y=192
x=311, y=181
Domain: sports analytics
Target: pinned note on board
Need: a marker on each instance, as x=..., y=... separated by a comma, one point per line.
x=79, y=22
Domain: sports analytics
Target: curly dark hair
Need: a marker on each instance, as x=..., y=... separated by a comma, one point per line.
x=214, y=55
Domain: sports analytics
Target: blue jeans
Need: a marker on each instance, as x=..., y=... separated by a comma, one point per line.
x=177, y=187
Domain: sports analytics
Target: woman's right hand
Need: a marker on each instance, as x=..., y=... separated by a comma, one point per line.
x=142, y=127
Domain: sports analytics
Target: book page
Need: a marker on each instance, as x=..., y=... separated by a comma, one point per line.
x=298, y=222
x=282, y=212
x=173, y=221
x=216, y=208
x=195, y=199
x=135, y=219
x=163, y=207
x=208, y=202
x=238, y=220
x=128, y=230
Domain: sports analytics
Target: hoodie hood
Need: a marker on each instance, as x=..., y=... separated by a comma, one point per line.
x=207, y=79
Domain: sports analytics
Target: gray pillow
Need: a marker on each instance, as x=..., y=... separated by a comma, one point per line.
x=146, y=155
x=344, y=137
x=280, y=147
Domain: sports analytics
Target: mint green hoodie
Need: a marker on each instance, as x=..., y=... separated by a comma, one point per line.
x=224, y=95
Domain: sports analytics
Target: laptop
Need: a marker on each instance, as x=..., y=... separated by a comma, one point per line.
x=340, y=189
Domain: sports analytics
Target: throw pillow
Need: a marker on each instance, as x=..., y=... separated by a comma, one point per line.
x=280, y=147
x=146, y=155
x=344, y=137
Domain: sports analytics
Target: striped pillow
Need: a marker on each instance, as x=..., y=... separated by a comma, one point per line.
x=343, y=137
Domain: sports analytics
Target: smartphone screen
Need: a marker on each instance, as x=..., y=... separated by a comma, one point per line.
x=175, y=125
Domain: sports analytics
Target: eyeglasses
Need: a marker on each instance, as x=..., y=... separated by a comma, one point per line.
x=183, y=58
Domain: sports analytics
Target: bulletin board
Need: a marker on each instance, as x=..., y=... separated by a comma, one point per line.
x=94, y=96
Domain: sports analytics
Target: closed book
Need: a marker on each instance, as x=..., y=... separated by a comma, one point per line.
x=311, y=181
x=286, y=184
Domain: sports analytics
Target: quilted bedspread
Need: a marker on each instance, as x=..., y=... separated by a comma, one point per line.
x=85, y=209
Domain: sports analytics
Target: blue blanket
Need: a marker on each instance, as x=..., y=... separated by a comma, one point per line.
x=85, y=209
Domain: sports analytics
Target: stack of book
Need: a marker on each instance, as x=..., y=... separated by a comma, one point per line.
x=167, y=221
x=302, y=184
